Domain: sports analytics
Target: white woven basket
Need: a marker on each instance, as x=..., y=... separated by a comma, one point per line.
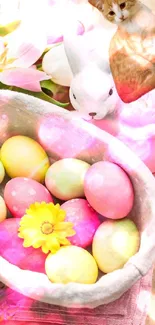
x=23, y=114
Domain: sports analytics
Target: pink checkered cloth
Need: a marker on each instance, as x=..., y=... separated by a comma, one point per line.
x=130, y=309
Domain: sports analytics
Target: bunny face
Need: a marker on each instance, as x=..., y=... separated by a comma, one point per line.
x=92, y=90
x=93, y=93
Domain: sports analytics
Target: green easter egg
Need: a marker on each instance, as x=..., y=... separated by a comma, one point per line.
x=65, y=178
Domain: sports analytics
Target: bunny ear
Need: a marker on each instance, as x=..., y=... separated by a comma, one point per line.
x=74, y=45
x=82, y=47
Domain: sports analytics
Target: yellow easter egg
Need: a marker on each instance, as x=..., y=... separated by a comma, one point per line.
x=24, y=157
x=115, y=241
x=2, y=172
x=3, y=210
x=71, y=264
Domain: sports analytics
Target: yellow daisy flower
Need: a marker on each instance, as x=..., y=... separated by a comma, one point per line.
x=44, y=226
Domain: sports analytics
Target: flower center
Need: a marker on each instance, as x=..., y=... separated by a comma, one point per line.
x=47, y=228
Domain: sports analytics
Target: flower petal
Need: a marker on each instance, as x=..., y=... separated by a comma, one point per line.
x=55, y=22
x=45, y=249
x=33, y=227
x=63, y=226
x=37, y=243
x=70, y=232
x=24, y=78
x=53, y=243
x=42, y=212
x=20, y=235
x=55, y=64
x=26, y=45
x=61, y=216
x=27, y=243
x=1, y=45
x=64, y=242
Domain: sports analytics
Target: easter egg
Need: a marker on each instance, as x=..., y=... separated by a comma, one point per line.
x=109, y=190
x=71, y=264
x=11, y=248
x=3, y=209
x=85, y=221
x=2, y=172
x=115, y=241
x=24, y=157
x=65, y=178
x=21, y=192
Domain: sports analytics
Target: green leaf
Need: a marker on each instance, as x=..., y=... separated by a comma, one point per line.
x=40, y=95
x=9, y=28
x=39, y=67
x=47, y=98
x=2, y=86
x=50, y=85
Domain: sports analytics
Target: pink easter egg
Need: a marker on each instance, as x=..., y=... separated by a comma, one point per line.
x=85, y=221
x=109, y=190
x=11, y=248
x=21, y=192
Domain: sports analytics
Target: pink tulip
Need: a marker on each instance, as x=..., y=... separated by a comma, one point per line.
x=28, y=78
x=64, y=13
x=17, y=59
x=26, y=45
x=1, y=46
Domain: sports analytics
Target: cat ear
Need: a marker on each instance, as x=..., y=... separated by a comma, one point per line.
x=99, y=4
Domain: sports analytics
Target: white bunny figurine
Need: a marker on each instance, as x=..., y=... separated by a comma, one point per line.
x=92, y=89
x=94, y=96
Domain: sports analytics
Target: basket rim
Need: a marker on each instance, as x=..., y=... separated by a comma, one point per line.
x=121, y=280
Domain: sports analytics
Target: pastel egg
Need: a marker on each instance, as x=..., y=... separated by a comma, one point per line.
x=3, y=210
x=71, y=264
x=2, y=172
x=24, y=157
x=109, y=190
x=20, y=193
x=65, y=178
x=115, y=241
x=85, y=221
x=11, y=248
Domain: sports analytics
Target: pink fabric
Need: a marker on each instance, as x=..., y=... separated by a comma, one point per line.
x=130, y=309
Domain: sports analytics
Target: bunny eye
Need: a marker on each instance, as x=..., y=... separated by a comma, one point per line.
x=74, y=96
x=110, y=91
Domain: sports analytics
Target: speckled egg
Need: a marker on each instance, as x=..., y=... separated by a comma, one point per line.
x=2, y=172
x=109, y=190
x=20, y=193
x=3, y=210
x=24, y=157
x=65, y=178
x=85, y=221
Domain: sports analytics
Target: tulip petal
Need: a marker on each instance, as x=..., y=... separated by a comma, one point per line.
x=24, y=78
x=57, y=22
x=1, y=45
x=55, y=64
x=26, y=45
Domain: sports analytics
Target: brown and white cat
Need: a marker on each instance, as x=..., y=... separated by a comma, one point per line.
x=116, y=11
x=132, y=15
x=132, y=48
